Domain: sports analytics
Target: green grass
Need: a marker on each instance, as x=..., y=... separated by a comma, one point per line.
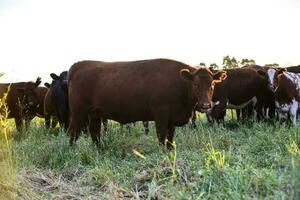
x=226, y=161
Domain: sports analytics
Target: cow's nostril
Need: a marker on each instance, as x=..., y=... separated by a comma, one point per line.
x=206, y=105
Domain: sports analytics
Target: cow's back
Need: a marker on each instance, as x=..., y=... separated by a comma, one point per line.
x=241, y=85
x=294, y=69
x=127, y=91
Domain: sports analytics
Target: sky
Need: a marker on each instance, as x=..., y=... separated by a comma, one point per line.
x=38, y=37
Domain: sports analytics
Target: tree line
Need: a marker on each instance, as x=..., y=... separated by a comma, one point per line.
x=231, y=62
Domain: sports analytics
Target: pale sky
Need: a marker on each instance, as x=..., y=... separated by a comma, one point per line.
x=38, y=37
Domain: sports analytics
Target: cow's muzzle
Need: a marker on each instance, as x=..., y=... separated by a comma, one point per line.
x=204, y=107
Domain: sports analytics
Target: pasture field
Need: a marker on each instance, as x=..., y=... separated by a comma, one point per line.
x=227, y=161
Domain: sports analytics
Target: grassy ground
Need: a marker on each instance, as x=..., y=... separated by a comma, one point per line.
x=229, y=161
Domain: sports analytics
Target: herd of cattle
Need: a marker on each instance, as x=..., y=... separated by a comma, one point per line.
x=161, y=90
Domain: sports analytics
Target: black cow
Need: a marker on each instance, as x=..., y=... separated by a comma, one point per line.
x=56, y=100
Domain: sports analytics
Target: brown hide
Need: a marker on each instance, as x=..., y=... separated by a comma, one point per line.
x=147, y=90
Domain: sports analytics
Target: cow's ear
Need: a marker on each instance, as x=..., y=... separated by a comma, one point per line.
x=54, y=76
x=38, y=82
x=219, y=76
x=281, y=70
x=261, y=72
x=47, y=85
x=186, y=75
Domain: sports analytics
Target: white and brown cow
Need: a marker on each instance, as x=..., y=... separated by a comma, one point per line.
x=286, y=87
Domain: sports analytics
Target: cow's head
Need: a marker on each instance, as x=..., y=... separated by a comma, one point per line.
x=202, y=82
x=29, y=93
x=61, y=80
x=272, y=76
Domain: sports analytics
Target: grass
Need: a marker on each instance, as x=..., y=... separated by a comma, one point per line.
x=227, y=161
x=7, y=186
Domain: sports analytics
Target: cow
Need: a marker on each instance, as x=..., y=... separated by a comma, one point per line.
x=41, y=98
x=286, y=88
x=56, y=100
x=243, y=87
x=21, y=101
x=160, y=90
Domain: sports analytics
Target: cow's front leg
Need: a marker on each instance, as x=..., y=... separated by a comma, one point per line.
x=293, y=111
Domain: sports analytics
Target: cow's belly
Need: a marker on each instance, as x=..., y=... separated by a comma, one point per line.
x=176, y=114
x=231, y=105
x=126, y=115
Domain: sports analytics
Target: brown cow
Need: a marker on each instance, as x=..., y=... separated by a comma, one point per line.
x=41, y=97
x=242, y=87
x=286, y=88
x=40, y=110
x=266, y=99
x=160, y=90
x=22, y=100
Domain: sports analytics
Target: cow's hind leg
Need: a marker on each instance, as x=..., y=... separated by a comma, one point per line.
x=78, y=120
x=161, y=117
x=95, y=128
x=47, y=121
x=170, y=144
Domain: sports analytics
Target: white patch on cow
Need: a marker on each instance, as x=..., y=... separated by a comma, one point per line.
x=252, y=101
x=285, y=107
x=294, y=78
x=271, y=73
